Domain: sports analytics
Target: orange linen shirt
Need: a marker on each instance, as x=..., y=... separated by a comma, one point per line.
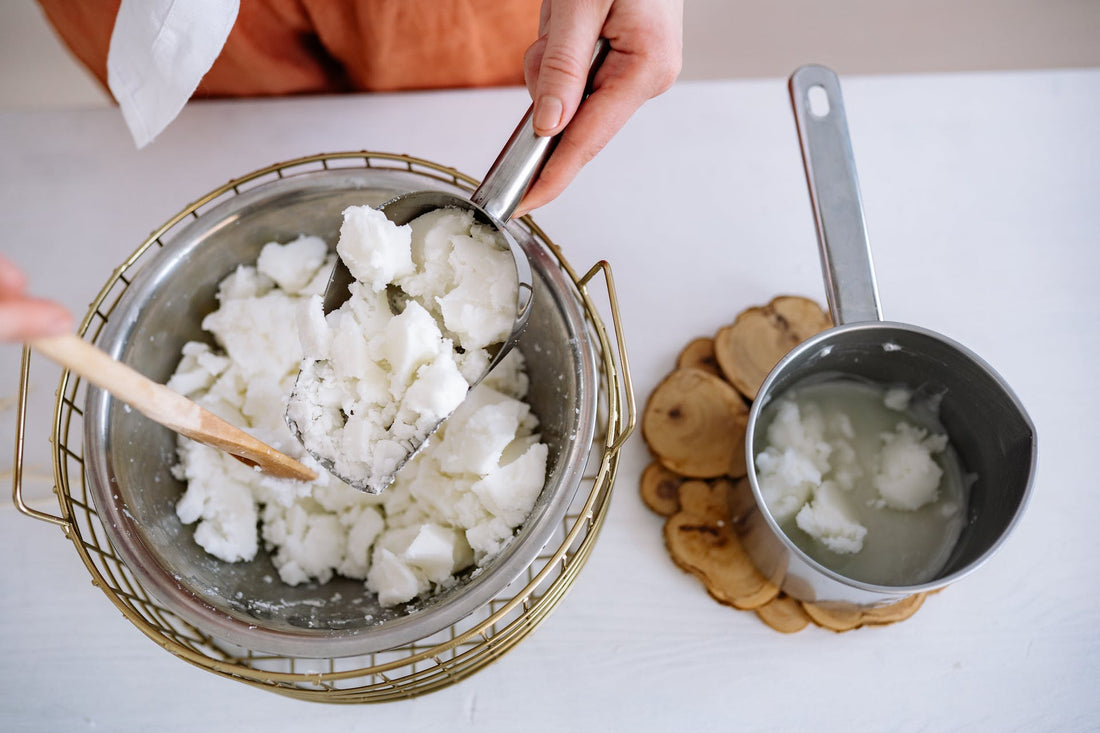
x=282, y=47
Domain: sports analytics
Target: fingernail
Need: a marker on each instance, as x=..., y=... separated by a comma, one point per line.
x=548, y=113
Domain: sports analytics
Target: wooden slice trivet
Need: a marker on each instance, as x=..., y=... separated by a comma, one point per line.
x=700, y=354
x=748, y=348
x=700, y=539
x=661, y=489
x=694, y=424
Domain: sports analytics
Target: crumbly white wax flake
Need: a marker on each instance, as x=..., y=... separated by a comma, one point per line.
x=827, y=518
x=897, y=398
x=375, y=251
x=292, y=267
x=375, y=384
x=791, y=467
x=805, y=471
x=455, y=506
x=908, y=476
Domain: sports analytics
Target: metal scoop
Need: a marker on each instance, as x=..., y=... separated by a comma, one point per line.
x=492, y=204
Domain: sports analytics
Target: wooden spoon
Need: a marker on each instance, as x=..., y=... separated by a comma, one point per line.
x=166, y=407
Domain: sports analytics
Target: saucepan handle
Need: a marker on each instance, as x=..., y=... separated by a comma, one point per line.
x=834, y=195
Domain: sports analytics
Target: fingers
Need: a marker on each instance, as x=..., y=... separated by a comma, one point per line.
x=532, y=60
x=644, y=61
x=601, y=116
x=12, y=281
x=571, y=29
x=544, y=16
x=23, y=318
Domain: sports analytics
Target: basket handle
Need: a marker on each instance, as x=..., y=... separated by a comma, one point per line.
x=17, y=465
x=617, y=379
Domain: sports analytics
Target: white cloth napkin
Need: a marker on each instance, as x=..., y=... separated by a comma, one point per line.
x=160, y=50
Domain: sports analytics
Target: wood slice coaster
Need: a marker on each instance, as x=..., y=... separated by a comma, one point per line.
x=694, y=424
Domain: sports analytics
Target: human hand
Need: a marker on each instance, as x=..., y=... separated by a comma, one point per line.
x=22, y=317
x=646, y=39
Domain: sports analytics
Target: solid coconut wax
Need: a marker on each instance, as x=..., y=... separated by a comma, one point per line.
x=863, y=479
x=374, y=384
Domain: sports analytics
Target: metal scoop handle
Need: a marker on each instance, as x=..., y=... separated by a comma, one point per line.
x=834, y=194
x=522, y=158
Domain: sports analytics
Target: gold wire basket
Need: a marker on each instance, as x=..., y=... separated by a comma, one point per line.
x=424, y=665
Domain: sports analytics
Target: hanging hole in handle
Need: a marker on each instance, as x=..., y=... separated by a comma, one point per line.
x=818, y=100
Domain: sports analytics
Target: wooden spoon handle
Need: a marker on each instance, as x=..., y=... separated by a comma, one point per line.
x=166, y=407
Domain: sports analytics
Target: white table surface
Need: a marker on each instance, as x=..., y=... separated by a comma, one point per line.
x=982, y=196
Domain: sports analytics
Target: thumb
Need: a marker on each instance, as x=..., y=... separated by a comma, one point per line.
x=571, y=34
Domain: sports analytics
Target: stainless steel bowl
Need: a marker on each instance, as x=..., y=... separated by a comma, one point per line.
x=128, y=459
